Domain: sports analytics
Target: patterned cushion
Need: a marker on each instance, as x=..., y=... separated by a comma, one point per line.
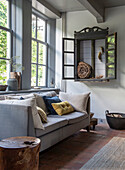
x=42, y=114
x=62, y=108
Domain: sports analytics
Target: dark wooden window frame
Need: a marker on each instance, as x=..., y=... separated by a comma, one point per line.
x=67, y=65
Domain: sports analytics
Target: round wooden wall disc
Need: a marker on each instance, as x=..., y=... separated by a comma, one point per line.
x=84, y=70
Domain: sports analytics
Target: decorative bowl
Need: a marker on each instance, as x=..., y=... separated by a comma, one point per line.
x=3, y=87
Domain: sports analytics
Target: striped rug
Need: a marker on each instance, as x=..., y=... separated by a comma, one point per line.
x=110, y=157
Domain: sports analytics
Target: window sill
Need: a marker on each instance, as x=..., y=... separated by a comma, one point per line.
x=30, y=91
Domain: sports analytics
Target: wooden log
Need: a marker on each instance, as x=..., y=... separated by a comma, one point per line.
x=84, y=70
x=19, y=153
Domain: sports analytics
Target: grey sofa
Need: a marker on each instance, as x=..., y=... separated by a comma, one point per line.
x=16, y=120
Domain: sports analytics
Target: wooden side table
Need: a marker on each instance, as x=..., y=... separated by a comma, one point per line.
x=93, y=122
x=19, y=153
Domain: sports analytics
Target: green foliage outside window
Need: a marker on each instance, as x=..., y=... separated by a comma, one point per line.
x=3, y=42
x=111, y=56
x=38, y=52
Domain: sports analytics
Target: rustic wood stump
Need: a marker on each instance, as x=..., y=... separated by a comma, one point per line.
x=19, y=153
x=84, y=70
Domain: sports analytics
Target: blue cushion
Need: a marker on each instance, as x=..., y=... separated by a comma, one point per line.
x=48, y=101
x=21, y=98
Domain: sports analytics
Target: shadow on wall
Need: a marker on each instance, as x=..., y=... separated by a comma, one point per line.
x=122, y=79
x=111, y=84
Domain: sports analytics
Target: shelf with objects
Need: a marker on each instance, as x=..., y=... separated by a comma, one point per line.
x=90, y=56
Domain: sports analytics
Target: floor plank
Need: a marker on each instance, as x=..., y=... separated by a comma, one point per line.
x=73, y=152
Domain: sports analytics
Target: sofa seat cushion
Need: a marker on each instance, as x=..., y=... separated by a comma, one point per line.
x=52, y=124
x=73, y=117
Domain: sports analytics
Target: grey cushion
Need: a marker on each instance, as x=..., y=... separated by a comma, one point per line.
x=53, y=124
x=51, y=93
x=40, y=102
x=73, y=117
x=78, y=101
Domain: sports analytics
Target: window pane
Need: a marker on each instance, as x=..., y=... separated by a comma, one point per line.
x=111, y=72
x=4, y=13
x=4, y=44
x=33, y=75
x=33, y=26
x=42, y=54
x=34, y=51
x=111, y=66
x=68, y=72
x=111, y=39
x=111, y=59
x=4, y=71
x=40, y=29
x=69, y=45
x=69, y=58
x=41, y=76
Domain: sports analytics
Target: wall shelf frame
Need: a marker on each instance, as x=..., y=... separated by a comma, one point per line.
x=85, y=48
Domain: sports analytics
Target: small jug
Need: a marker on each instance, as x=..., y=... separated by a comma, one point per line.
x=12, y=84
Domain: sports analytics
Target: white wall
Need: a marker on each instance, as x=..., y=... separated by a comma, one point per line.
x=104, y=95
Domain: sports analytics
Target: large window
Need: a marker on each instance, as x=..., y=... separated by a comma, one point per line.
x=5, y=41
x=39, y=52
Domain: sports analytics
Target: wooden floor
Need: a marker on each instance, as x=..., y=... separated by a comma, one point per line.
x=75, y=151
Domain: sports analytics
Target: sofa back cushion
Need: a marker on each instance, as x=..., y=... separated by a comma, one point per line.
x=28, y=102
x=41, y=103
x=78, y=101
x=20, y=96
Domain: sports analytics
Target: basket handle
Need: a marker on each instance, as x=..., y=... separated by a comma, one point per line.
x=107, y=112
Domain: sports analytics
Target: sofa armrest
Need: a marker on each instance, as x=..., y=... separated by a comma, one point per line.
x=88, y=106
x=16, y=120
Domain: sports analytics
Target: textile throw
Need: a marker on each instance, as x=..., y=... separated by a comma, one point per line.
x=110, y=157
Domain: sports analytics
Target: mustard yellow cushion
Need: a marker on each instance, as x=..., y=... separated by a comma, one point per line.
x=62, y=108
x=42, y=114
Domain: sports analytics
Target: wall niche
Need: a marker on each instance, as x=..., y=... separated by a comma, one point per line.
x=90, y=56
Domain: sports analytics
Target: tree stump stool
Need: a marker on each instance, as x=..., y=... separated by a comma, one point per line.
x=19, y=153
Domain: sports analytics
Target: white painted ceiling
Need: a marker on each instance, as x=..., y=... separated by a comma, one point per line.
x=74, y=5
x=112, y=3
x=66, y=5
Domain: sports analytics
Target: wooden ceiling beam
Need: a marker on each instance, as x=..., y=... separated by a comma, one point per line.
x=50, y=7
x=94, y=8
